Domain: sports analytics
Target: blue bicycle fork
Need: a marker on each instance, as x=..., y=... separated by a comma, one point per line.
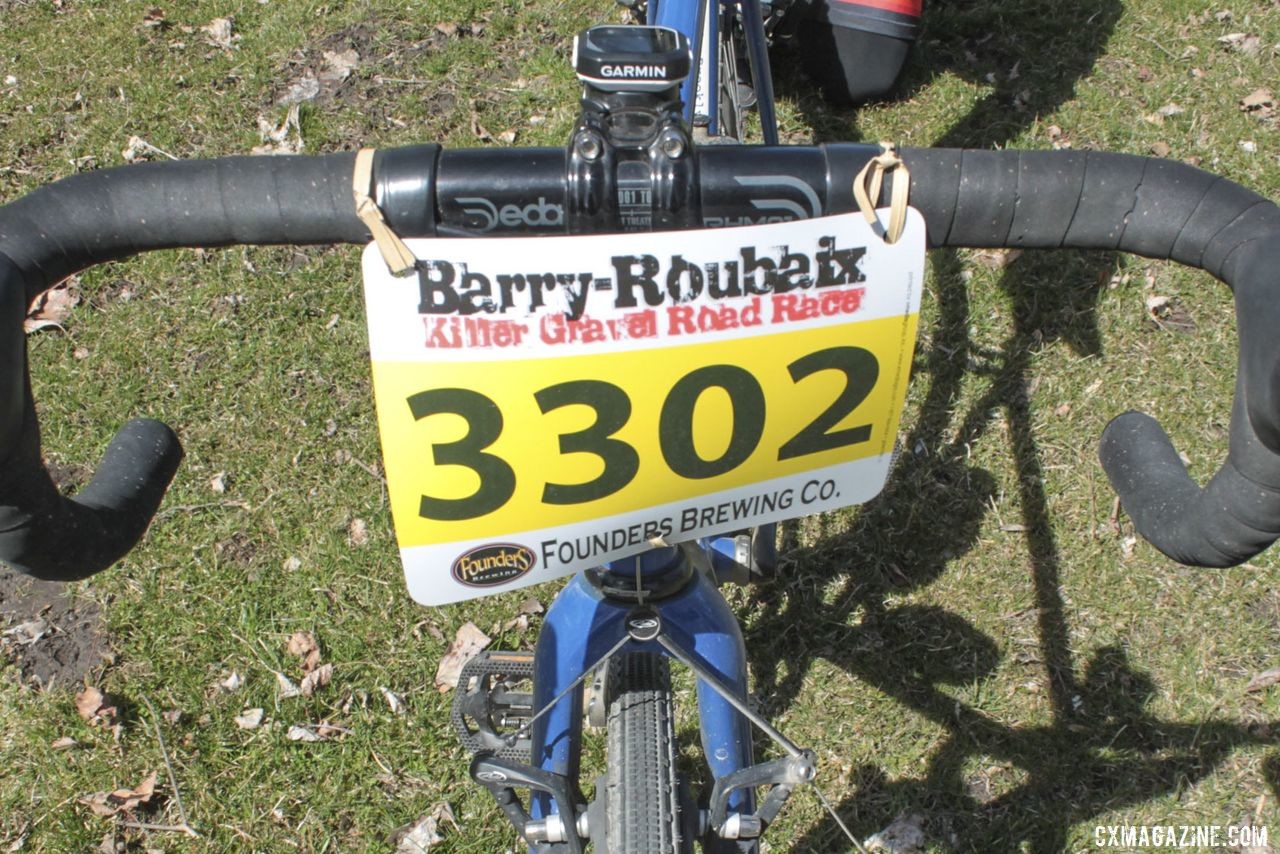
x=587, y=621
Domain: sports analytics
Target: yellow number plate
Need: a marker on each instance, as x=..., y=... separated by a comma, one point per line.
x=547, y=405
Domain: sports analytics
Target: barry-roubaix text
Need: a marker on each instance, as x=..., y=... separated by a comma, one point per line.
x=646, y=296
x=456, y=289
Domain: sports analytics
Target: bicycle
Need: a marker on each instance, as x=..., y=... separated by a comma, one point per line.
x=317, y=211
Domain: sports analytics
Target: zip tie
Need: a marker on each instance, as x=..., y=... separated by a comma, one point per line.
x=876, y=168
x=394, y=251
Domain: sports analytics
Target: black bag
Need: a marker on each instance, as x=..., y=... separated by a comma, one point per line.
x=855, y=49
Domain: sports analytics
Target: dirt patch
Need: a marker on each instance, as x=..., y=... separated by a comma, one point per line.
x=359, y=64
x=238, y=549
x=68, y=477
x=53, y=638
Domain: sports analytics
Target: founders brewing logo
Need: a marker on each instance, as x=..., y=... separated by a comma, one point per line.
x=496, y=563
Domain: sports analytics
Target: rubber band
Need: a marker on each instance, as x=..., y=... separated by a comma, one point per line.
x=875, y=170
x=398, y=256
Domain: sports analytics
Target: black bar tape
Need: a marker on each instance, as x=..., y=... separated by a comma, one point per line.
x=1169, y=194
x=1161, y=209
x=1106, y=201
x=102, y=216
x=1048, y=191
x=113, y=213
x=935, y=189
x=1218, y=208
x=987, y=199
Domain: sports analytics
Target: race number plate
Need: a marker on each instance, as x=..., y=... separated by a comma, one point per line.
x=549, y=404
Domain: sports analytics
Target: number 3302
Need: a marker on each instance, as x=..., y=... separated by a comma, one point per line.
x=612, y=408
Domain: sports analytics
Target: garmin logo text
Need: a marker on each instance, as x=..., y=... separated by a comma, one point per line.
x=539, y=214
x=634, y=72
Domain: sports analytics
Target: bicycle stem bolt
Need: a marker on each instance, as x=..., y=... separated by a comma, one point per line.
x=589, y=146
x=673, y=145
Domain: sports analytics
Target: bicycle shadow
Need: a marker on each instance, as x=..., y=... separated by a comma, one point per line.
x=930, y=513
x=1111, y=750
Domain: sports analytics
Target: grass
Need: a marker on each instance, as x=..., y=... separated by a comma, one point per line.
x=980, y=646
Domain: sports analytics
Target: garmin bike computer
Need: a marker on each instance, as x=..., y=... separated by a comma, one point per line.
x=631, y=59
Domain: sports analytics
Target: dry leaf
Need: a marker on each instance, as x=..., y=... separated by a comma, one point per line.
x=232, y=683
x=285, y=138
x=339, y=65
x=1167, y=314
x=1062, y=410
x=218, y=483
x=314, y=732
x=904, y=836
x=122, y=800
x=25, y=634
x=139, y=149
x=52, y=307
x=1160, y=149
x=447, y=29
x=306, y=88
x=1246, y=43
x=154, y=19
x=1264, y=680
x=317, y=679
x=287, y=688
x=1258, y=99
x=96, y=707
x=336, y=67
x=531, y=606
x=291, y=564
x=304, y=646
x=358, y=532
x=417, y=837
x=220, y=33
x=64, y=743
x=249, y=719
x=467, y=643
x=393, y=700
x=519, y=622
x=302, y=733
x=996, y=259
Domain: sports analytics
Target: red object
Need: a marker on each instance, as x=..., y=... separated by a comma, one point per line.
x=913, y=8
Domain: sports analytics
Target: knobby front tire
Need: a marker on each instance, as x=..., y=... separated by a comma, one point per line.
x=642, y=790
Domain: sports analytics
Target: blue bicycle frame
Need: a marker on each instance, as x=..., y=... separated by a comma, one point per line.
x=699, y=20
x=586, y=622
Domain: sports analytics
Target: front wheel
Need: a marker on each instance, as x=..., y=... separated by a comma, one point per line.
x=644, y=812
